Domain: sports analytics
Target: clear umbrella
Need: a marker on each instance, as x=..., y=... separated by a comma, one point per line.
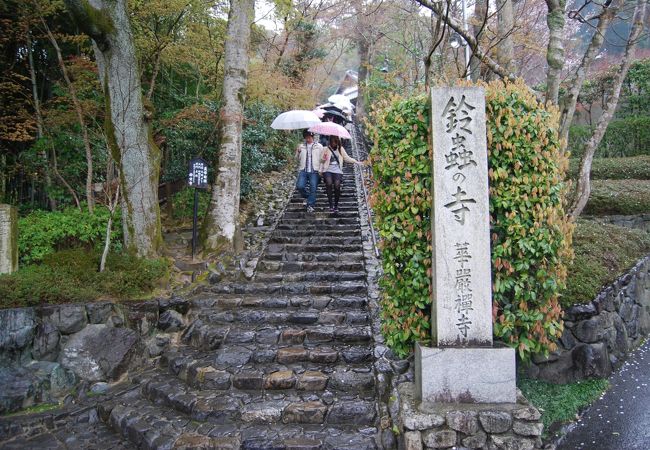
x=294, y=120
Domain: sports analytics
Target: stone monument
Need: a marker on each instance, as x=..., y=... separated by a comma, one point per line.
x=463, y=366
x=8, y=239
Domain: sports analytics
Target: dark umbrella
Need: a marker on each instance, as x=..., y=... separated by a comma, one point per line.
x=335, y=115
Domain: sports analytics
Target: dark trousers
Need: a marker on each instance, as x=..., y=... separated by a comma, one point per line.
x=308, y=192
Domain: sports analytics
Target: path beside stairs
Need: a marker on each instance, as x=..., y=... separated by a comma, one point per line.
x=284, y=361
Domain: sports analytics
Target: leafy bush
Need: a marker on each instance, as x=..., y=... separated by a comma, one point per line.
x=72, y=276
x=263, y=148
x=602, y=253
x=401, y=201
x=619, y=197
x=184, y=203
x=531, y=235
x=42, y=233
x=629, y=136
x=630, y=168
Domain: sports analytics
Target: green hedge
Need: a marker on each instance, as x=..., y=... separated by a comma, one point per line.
x=72, y=276
x=624, y=137
x=531, y=234
x=603, y=252
x=629, y=168
x=41, y=232
x=618, y=197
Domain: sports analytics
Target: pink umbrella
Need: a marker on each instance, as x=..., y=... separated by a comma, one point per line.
x=330, y=129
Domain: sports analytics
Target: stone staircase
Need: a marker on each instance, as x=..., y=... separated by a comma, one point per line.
x=284, y=361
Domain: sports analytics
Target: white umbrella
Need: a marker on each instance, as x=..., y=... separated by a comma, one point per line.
x=338, y=98
x=295, y=119
x=330, y=129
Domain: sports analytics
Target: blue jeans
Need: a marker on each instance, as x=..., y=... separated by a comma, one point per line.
x=301, y=185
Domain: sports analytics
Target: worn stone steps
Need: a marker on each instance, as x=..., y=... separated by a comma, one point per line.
x=250, y=405
x=316, y=220
x=302, y=266
x=312, y=276
x=295, y=369
x=148, y=426
x=290, y=288
x=299, y=248
x=278, y=316
x=316, y=239
x=208, y=302
x=341, y=257
x=210, y=336
x=199, y=368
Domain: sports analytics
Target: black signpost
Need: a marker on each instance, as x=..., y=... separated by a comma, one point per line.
x=198, y=179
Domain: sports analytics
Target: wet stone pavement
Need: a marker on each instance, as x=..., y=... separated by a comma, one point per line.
x=620, y=419
x=284, y=361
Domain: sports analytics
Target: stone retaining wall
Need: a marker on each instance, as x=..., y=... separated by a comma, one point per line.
x=47, y=350
x=599, y=335
x=495, y=426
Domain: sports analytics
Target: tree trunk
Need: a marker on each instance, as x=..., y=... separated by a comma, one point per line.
x=583, y=188
x=127, y=127
x=578, y=79
x=506, y=25
x=221, y=227
x=363, y=49
x=479, y=22
x=555, y=21
x=80, y=117
x=39, y=122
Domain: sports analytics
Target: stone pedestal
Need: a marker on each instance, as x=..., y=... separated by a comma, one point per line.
x=8, y=239
x=465, y=375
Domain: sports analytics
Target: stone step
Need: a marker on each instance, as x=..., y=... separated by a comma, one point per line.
x=299, y=266
x=209, y=425
x=299, y=288
x=342, y=257
x=286, y=405
x=206, y=302
x=344, y=205
x=313, y=248
x=279, y=316
x=315, y=276
x=316, y=239
x=344, y=233
x=215, y=369
x=317, y=220
x=320, y=209
x=298, y=370
x=210, y=336
x=350, y=230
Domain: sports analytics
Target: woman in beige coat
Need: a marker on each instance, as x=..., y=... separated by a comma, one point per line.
x=331, y=170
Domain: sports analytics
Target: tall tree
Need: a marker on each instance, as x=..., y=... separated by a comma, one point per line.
x=127, y=122
x=506, y=25
x=584, y=186
x=221, y=227
x=555, y=51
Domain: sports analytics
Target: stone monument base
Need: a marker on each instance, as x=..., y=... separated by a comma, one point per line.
x=465, y=375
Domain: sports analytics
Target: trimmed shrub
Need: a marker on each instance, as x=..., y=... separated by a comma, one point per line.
x=71, y=276
x=630, y=168
x=624, y=197
x=42, y=233
x=602, y=253
x=629, y=136
x=531, y=235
